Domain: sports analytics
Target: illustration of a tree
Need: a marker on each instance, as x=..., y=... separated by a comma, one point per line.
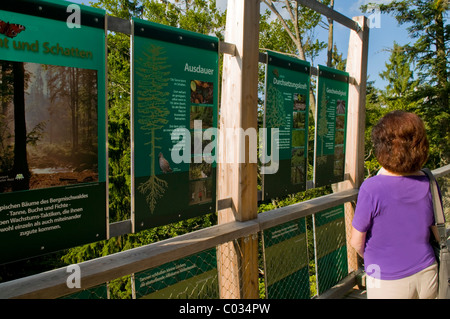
x=275, y=112
x=322, y=129
x=153, y=77
x=276, y=115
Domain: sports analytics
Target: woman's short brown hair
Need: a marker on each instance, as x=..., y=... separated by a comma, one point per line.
x=400, y=142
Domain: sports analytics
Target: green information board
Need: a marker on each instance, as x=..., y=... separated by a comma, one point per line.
x=53, y=180
x=286, y=109
x=330, y=126
x=331, y=248
x=193, y=277
x=286, y=261
x=175, y=84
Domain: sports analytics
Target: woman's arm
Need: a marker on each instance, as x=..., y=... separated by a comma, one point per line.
x=358, y=241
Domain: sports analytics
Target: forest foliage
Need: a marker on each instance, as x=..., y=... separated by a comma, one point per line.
x=417, y=75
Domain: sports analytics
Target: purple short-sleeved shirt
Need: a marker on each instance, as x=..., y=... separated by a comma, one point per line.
x=396, y=212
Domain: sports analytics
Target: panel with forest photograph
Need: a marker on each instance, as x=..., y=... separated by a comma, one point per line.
x=48, y=126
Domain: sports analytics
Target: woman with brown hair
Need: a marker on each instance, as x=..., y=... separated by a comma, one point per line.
x=394, y=213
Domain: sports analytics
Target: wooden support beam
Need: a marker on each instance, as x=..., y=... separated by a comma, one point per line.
x=331, y=14
x=357, y=69
x=354, y=154
x=237, y=174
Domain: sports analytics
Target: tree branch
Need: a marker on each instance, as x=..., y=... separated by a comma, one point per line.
x=296, y=40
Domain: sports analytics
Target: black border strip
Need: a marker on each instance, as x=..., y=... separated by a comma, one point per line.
x=333, y=75
x=52, y=11
x=177, y=36
x=288, y=64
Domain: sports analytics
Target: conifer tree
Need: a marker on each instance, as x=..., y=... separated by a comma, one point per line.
x=399, y=90
x=427, y=25
x=151, y=69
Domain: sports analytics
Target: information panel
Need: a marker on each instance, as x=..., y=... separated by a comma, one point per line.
x=193, y=277
x=52, y=128
x=286, y=109
x=286, y=261
x=175, y=84
x=331, y=247
x=330, y=126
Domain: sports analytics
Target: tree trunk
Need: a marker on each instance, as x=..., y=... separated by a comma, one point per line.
x=74, y=108
x=330, y=39
x=442, y=77
x=4, y=87
x=20, y=168
x=441, y=60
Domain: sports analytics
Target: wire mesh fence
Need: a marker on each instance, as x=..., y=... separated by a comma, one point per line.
x=193, y=277
x=444, y=185
x=286, y=261
x=300, y=259
x=291, y=261
x=330, y=247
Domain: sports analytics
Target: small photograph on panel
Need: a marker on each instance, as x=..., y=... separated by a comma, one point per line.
x=339, y=160
x=202, y=92
x=199, y=170
x=339, y=138
x=299, y=102
x=298, y=138
x=340, y=108
x=200, y=144
x=299, y=119
x=203, y=114
x=340, y=122
x=297, y=166
x=200, y=191
x=48, y=126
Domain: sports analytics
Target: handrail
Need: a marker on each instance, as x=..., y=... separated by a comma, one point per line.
x=52, y=284
x=441, y=171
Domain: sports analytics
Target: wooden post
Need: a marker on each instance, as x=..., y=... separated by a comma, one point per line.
x=354, y=158
x=237, y=173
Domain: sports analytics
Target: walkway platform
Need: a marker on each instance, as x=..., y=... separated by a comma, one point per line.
x=356, y=293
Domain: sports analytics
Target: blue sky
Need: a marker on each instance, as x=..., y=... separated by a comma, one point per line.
x=381, y=38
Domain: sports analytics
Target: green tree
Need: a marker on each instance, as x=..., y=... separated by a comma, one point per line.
x=119, y=141
x=292, y=32
x=202, y=16
x=398, y=94
x=337, y=61
x=375, y=109
x=427, y=25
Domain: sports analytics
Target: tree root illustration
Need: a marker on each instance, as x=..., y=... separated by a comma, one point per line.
x=153, y=188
